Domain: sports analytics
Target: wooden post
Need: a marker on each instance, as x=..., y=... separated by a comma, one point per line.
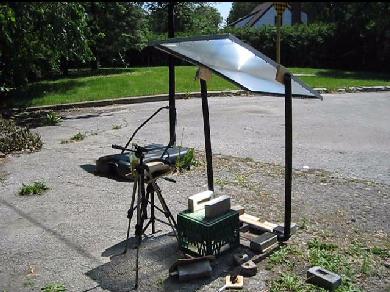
x=279, y=23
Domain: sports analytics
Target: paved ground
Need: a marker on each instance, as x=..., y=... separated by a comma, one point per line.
x=70, y=234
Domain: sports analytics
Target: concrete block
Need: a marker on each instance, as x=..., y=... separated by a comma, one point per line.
x=240, y=209
x=194, y=270
x=323, y=278
x=248, y=269
x=196, y=202
x=262, y=242
x=217, y=206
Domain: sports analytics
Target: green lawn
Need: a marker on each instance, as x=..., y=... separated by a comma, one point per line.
x=116, y=83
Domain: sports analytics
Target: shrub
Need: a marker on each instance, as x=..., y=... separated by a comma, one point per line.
x=78, y=137
x=54, y=288
x=36, y=188
x=52, y=119
x=186, y=161
x=301, y=45
x=15, y=138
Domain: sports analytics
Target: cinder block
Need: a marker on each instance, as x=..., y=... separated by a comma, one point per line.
x=197, y=201
x=248, y=269
x=217, y=206
x=323, y=278
x=263, y=241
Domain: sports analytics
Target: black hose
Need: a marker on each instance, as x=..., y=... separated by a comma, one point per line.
x=143, y=124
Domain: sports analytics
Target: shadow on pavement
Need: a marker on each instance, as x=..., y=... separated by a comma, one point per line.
x=157, y=254
x=109, y=172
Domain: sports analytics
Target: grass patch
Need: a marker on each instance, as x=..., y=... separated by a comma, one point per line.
x=52, y=119
x=36, y=188
x=54, y=287
x=334, y=79
x=124, y=82
x=290, y=282
x=78, y=137
x=116, y=127
x=75, y=138
x=185, y=162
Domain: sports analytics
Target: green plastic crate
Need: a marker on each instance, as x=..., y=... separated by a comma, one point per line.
x=200, y=236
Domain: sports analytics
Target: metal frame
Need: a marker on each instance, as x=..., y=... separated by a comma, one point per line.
x=205, y=108
x=171, y=66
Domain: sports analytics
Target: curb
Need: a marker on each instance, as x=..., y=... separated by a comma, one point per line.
x=129, y=100
x=354, y=89
x=165, y=97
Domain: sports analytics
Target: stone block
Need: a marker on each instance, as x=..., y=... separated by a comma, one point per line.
x=248, y=269
x=196, y=202
x=262, y=242
x=323, y=278
x=217, y=207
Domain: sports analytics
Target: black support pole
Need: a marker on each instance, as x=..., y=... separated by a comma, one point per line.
x=207, y=140
x=172, y=106
x=288, y=156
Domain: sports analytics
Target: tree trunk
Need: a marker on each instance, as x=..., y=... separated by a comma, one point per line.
x=64, y=66
x=296, y=13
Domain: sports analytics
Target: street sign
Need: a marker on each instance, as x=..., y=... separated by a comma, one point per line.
x=280, y=7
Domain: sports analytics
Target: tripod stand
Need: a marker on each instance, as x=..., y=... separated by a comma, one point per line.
x=145, y=174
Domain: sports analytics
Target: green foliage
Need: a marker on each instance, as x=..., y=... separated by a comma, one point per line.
x=116, y=127
x=316, y=243
x=190, y=17
x=382, y=252
x=52, y=119
x=36, y=188
x=41, y=38
x=54, y=287
x=186, y=161
x=301, y=45
x=288, y=282
x=78, y=137
x=240, y=9
x=347, y=35
x=116, y=27
x=14, y=138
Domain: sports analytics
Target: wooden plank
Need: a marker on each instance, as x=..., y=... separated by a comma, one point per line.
x=255, y=221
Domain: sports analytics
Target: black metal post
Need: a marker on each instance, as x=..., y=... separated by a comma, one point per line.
x=288, y=156
x=207, y=139
x=172, y=106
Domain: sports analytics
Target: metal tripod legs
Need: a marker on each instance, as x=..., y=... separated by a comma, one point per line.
x=142, y=203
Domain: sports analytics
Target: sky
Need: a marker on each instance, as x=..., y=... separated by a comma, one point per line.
x=223, y=8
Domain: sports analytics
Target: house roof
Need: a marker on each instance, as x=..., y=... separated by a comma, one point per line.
x=256, y=13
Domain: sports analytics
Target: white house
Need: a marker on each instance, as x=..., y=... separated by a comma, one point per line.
x=265, y=14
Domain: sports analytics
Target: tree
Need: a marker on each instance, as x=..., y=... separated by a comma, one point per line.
x=36, y=39
x=116, y=27
x=240, y=9
x=190, y=17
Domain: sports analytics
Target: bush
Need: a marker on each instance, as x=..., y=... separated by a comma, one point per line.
x=185, y=162
x=14, y=138
x=301, y=45
x=36, y=188
x=52, y=119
